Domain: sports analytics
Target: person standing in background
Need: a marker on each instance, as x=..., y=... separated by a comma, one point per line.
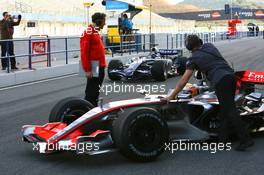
x=7, y=47
x=127, y=28
x=127, y=25
x=257, y=30
x=92, y=51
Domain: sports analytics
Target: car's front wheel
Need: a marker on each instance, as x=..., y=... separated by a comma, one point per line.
x=69, y=109
x=140, y=134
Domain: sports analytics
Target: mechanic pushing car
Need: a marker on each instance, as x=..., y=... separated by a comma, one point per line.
x=93, y=57
x=207, y=59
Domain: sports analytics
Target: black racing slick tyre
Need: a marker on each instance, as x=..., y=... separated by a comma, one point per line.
x=247, y=88
x=181, y=61
x=140, y=134
x=159, y=70
x=69, y=109
x=114, y=65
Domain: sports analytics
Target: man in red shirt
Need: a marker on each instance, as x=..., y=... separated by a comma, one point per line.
x=92, y=50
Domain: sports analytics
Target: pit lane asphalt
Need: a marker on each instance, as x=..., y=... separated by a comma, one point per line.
x=31, y=105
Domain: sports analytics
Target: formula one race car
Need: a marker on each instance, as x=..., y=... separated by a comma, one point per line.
x=140, y=128
x=160, y=64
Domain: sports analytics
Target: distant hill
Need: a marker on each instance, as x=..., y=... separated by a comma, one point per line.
x=162, y=6
x=219, y=4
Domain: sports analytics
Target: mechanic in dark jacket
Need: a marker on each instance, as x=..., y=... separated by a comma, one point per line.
x=92, y=50
x=207, y=59
x=7, y=30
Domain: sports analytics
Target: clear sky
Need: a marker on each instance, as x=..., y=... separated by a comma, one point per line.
x=174, y=1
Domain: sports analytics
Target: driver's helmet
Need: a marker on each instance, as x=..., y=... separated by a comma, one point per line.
x=154, y=50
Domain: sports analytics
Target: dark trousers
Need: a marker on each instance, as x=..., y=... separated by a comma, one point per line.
x=230, y=118
x=93, y=87
x=7, y=47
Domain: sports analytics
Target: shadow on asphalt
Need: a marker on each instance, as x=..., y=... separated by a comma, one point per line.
x=116, y=159
x=78, y=161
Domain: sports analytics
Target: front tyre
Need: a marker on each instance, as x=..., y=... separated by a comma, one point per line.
x=140, y=134
x=69, y=109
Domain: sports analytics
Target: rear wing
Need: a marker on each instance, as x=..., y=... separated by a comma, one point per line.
x=252, y=77
x=167, y=52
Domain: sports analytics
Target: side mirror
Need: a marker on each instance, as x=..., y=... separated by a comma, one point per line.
x=199, y=76
x=154, y=50
x=101, y=103
x=144, y=92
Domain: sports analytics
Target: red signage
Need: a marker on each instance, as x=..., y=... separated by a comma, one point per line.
x=259, y=13
x=39, y=48
x=253, y=77
x=216, y=15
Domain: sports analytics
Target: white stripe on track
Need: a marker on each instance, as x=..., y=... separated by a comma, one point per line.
x=37, y=82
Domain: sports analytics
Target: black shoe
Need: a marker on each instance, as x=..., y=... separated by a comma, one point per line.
x=14, y=68
x=243, y=146
x=3, y=68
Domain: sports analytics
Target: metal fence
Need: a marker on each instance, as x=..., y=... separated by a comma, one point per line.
x=39, y=51
x=171, y=41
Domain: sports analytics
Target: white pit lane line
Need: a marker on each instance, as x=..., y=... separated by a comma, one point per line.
x=37, y=82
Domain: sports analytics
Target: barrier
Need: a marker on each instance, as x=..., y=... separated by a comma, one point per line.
x=39, y=48
x=40, y=45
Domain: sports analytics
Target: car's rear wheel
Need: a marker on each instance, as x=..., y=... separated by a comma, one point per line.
x=159, y=70
x=140, y=134
x=247, y=88
x=114, y=65
x=69, y=109
x=181, y=62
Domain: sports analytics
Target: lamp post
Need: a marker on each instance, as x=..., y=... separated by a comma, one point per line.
x=87, y=6
x=231, y=10
x=150, y=24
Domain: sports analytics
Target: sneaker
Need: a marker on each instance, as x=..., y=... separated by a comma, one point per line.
x=244, y=146
x=3, y=68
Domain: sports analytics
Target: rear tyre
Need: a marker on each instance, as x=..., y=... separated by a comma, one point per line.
x=181, y=62
x=114, y=65
x=247, y=88
x=140, y=134
x=69, y=109
x=159, y=70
